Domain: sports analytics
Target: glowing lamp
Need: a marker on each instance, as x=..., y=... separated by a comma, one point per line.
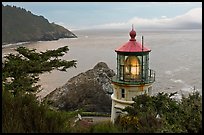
x=132, y=68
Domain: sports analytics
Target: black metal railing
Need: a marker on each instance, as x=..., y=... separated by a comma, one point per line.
x=149, y=79
x=151, y=76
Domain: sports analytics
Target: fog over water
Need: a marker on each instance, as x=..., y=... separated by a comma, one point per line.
x=176, y=56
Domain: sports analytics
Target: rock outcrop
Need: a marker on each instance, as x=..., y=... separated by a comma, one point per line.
x=89, y=91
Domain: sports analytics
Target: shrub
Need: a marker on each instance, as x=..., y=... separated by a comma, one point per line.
x=161, y=113
x=104, y=127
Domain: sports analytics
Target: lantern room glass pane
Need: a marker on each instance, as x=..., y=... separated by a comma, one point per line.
x=122, y=59
x=120, y=67
x=132, y=68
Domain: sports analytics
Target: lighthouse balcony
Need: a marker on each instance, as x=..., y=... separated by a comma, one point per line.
x=149, y=78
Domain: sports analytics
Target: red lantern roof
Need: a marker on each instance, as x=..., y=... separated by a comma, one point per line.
x=132, y=45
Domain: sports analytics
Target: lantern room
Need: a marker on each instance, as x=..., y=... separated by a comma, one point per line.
x=133, y=62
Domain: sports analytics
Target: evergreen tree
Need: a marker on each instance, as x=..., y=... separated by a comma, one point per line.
x=21, y=71
x=21, y=112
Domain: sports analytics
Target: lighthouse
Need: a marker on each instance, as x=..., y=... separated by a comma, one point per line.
x=133, y=77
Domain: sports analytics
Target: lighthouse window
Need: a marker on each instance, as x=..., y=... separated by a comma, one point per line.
x=122, y=93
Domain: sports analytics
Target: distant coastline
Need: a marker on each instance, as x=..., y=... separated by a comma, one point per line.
x=34, y=28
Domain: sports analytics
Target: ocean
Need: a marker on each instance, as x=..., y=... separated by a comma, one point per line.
x=176, y=56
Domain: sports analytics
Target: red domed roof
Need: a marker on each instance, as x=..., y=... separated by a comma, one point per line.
x=132, y=45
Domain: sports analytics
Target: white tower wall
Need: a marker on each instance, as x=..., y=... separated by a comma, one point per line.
x=119, y=103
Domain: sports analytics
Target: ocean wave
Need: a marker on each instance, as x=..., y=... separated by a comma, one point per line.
x=14, y=44
x=177, y=81
x=181, y=69
x=168, y=72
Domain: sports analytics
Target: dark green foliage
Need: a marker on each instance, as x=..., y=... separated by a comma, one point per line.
x=19, y=25
x=95, y=114
x=191, y=110
x=23, y=114
x=161, y=113
x=141, y=116
x=128, y=124
x=21, y=71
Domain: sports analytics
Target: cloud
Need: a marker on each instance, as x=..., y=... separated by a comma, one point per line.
x=190, y=20
x=67, y=26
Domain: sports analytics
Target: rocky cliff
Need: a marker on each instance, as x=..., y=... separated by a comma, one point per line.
x=89, y=91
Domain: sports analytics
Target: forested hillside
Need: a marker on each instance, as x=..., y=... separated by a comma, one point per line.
x=20, y=25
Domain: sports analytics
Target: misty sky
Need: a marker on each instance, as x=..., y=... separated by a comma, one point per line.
x=118, y=15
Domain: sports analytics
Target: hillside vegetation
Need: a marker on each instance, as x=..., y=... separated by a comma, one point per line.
x=19, y=25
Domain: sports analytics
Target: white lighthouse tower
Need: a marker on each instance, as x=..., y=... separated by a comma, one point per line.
x=133, y=74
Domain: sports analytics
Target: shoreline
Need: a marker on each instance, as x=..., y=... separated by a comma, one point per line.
x=15, y=44
x=28, y=42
